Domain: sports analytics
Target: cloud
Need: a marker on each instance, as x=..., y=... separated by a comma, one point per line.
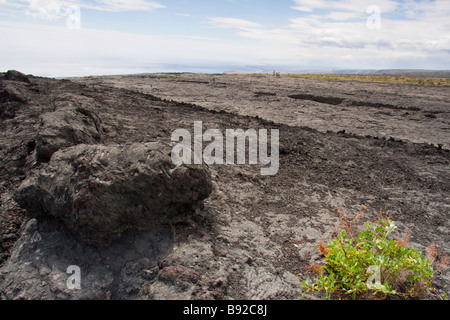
x=323, y=33
x=309, y=5
x=92, y=51
x=335, y=33
x=56, y=9
x=343, y=16
x=45, y=9
x=235, y=23
x=344, y=5
x=124, y=5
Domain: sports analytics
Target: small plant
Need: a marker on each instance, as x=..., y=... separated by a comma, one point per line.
x=370, y=266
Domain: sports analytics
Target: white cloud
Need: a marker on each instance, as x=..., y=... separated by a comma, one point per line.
x=325, y=33
x=90, y=51
x=55, y=9
x=124, y=5
x=338, y=35
x=342, y=16
x=224, y=22
x=346, y=5
x=45, y=9
x=309, y=5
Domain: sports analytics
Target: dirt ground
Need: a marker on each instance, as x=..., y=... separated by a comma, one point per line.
x=342, y=145
x=408, y=112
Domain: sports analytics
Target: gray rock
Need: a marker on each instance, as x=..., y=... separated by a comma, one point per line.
x=73, y=122
x=14, y=75
x=42, y=261
x=8, y=110
x=98, y=192
x=12, y=96
x=14, y=92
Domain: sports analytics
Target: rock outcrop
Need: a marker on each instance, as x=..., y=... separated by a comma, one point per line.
x=14, y=75
x=73, y=122
x=99, y=191
x=12, y=95
x=40, y=266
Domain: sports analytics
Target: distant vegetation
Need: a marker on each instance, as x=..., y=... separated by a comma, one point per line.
x=387, y=78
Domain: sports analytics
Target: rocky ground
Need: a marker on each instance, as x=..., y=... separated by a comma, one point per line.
x=342, y=145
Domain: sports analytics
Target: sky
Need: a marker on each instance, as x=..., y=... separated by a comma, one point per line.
x=59, y=38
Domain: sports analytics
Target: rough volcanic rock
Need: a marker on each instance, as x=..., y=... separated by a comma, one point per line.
x=255, y=237
x=39, y=268
x=99, y=191
x=7, y=110
x=13, y=92
x=73, y=122
x=16, y=76
x=12, y=95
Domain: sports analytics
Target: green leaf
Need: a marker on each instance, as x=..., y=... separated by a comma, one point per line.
x=346, y=264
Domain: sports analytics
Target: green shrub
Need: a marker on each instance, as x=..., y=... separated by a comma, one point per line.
x=370, y=266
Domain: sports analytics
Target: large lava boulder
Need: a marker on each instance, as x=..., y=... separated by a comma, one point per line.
x=14, y=75
x=74, y=121
x=13, y=94
x=99, y=191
